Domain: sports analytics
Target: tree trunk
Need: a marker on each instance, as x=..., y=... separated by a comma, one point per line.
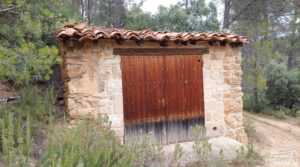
x=226, y=18
x=89, y=11
x=186, y=5
x=118, y=13
x=82, y=8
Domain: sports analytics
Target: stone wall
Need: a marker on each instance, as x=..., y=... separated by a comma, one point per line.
x=93, y=84
x=233, y=102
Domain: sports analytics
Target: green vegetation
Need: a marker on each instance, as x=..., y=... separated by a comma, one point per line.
x=28, y=126
x=175, y=161
x=28, y=51
x=21, y=125
x=204, y=151
x=250, y=128
x=271, y=60
x=281, y=95
x=89, y=143
x=28, y=45
x=249, y=158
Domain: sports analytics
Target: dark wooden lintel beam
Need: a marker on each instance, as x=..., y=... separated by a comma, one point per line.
x=160, y=51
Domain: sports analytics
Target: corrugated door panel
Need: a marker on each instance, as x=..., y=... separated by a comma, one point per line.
x=162, y=95
x=194, y=89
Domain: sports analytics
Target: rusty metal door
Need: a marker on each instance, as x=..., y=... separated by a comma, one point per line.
x=163, y=94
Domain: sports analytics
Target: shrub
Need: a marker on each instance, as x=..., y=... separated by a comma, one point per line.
x=251, y=158
x=175, y=161
x=256, y=104
x=281, y=112
x=90, y=143
x=250, y=128
x=16, y=138
x=204, y=151
x=18, y=123
x=283, y=86
x=39, y=105
x=144, y=151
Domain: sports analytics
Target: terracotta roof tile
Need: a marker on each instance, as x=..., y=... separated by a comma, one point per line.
x=82, y=32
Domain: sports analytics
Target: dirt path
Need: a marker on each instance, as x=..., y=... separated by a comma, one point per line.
x=278, y=141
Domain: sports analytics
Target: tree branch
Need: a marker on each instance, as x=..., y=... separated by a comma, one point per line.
x=13, y=7
x=8, y=9
x=240, y=12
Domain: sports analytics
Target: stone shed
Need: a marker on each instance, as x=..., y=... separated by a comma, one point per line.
x=159, y=82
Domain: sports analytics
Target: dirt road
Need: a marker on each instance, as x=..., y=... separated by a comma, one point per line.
x=278, y=141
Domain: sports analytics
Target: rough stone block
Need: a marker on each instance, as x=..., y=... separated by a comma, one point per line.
x=213, y=105
x=114, y=86
x=101, y=86
x=116, y=120
x=74, y=70
x=118, y=104
x=234, y=120
x=208, y=84
x=217, y=65
x=228, y=66
x=216, y=75
x=215, y=129
x=214, y=56
x=116, y=71
x=229, y=59
x=105, y=110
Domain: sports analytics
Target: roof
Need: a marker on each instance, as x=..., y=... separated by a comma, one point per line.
x=82, y=32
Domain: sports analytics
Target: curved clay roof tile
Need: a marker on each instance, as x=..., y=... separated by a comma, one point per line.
x=83, y=32
x=70, y=32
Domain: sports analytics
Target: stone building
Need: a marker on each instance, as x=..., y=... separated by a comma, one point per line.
x=159, y=82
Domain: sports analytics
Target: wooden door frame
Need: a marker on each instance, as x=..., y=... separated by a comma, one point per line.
x=160, y=51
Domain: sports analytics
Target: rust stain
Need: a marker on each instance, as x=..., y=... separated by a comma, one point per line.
x=160, y=88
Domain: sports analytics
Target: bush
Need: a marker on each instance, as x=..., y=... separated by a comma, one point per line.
x=283, y=86
x=38, y=104
x=18, y=123
x=178, y=151
x=20, y=120
x=251, y=158
x=280, y=112
x=256, y=104
x=15, y=139
x=250, y=128
x=144, y=151
x=90, y=143
x=204, y=151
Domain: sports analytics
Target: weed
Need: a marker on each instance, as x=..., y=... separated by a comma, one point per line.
x=280, y=114
x=249, y=158
x=39, y=105
x=16, y=139
x=90, y=143
x=250, y=128
x=175, y=161
x=204, y=151
x=145, y=152
x=19, y=121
